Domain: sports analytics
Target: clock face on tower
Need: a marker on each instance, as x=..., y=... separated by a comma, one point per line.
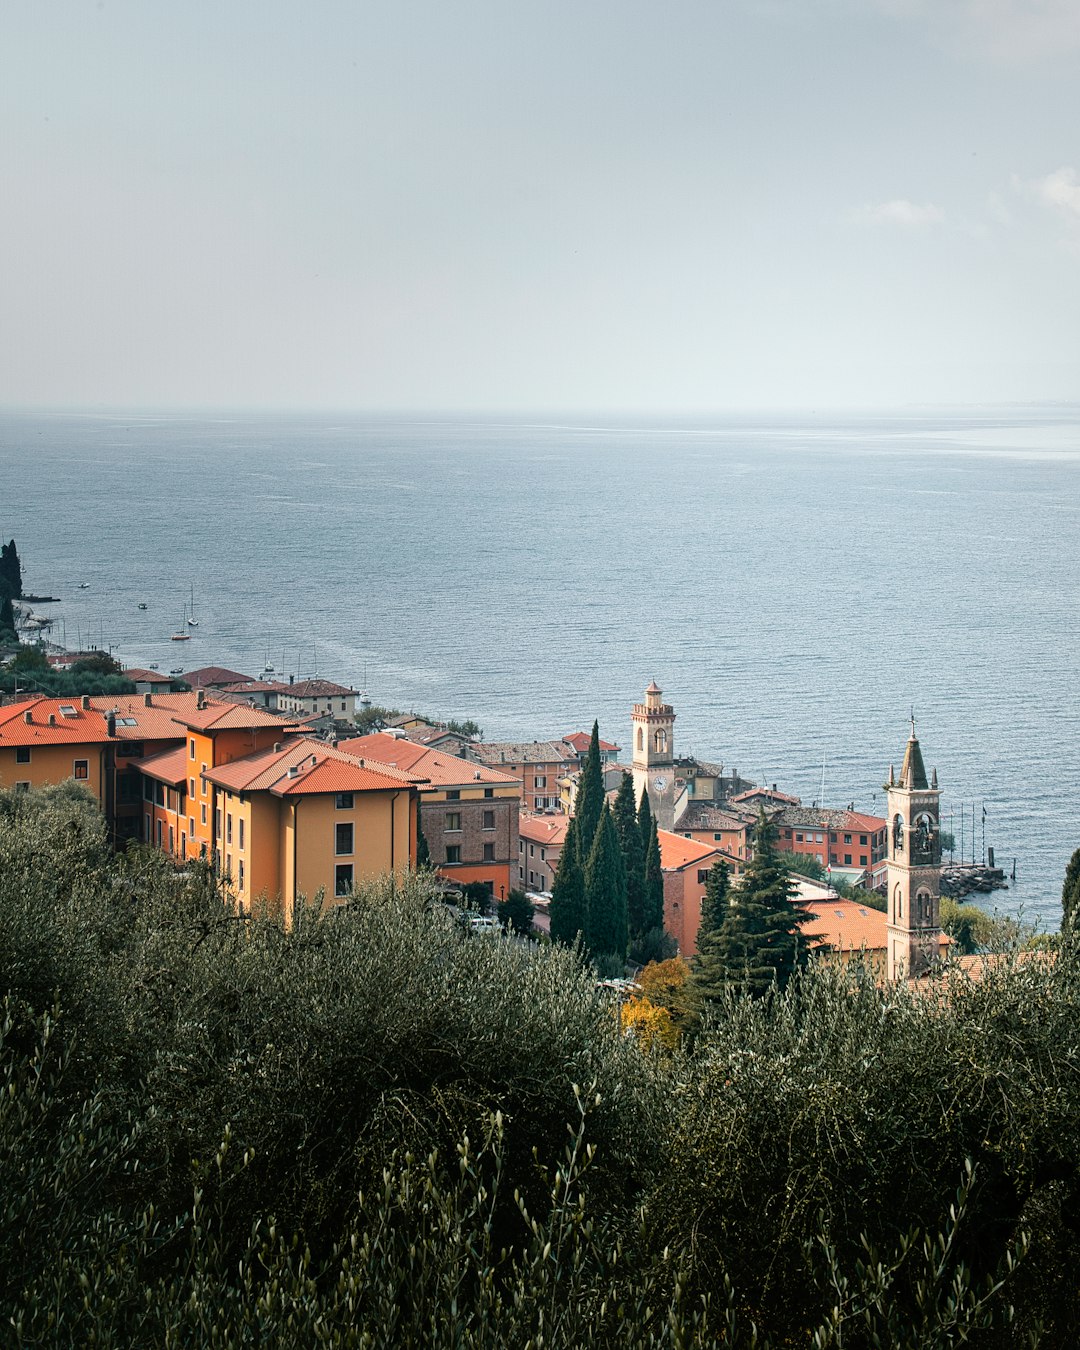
x=659, y=782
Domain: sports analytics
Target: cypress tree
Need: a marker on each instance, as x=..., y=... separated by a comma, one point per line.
x=1070, y=894
x=606, y=930
x=626, y=825
x=11, y=569
x=568, y=891
x=708, y=971
x=652, y=908
x=760, y=944
x=7, y=611
x=590, y=797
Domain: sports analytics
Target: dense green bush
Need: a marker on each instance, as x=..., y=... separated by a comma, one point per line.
x=378, y=1129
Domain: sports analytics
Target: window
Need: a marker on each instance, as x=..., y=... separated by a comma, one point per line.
x=159, y=834
x=191, y=749
x=540, y=781
x=798, y=838
x=453, y=853
x=453, y=820
x=489, y=853
x=202, y=813
x=489, y=820
x=22, y=754
x=191, y=787
x=171, y=839
x=717, y=835
x=453, y=794
x=204, y=781
x=832, y=837
x=183, y=844
x=343, y=838
x=532, y=850
x=240, y=874
x=847, y=838
x=862, y=859
x=159, y=793
x=146, y=832
x=862, y=840
x=343, y=801
x=489, y=792
x=241, y=825
x=847, y=859
x=532, y=878
x=703, y=875
x=191, y=825
x=217, y=821
x=543, y=855
x=22, y=787
x=82, y=768
x=228, y=827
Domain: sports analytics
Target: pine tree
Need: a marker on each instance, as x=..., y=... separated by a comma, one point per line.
x=568, y=891
x=652, y=903
x=760, y=944
x=626, y=824
x=590, y=797
x=423, y=853
x=606, y=931
x=1070, y=894
x=716, y=901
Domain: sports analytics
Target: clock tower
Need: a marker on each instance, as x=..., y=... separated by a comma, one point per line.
x=914, y=866
x=653, y=764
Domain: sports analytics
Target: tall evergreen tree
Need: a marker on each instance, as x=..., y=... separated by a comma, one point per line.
x=568, y=890
x=11, y=569
x=7, y=611
x=760, y=943
x=626, y=825
x=606, y=931
x=589, y=801
x=1070, y=895
x=652, y=903
x=708, y=971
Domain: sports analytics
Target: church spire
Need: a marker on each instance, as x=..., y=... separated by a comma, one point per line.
x=913, y=770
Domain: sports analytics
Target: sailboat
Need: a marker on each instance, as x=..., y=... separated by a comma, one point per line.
x=192, y=621
x=182, y=635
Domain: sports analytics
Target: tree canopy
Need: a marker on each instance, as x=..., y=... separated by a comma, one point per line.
x=605, y=893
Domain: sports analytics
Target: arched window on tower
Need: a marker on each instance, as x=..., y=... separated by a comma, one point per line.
x=898, y=833
x=640, y=738
x=923, y=905
x=660, y=741
x=898, y=901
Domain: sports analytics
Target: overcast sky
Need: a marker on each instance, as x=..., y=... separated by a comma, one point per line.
x=491, y=204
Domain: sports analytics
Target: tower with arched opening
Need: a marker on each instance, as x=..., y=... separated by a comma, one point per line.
x=914, y=866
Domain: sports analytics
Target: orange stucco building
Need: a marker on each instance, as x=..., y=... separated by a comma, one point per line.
x=686, y=865
x=199, y=777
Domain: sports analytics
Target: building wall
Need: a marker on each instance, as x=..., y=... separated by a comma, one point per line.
x=437, y=809
x=51, y=764
x=684, y=891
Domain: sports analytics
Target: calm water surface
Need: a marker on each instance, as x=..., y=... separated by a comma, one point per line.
x=794, y=586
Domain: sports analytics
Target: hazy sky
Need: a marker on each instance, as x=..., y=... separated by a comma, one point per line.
x=601, y=204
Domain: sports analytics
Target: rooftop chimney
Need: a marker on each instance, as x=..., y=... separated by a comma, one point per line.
x=52, y=719
x=28, y=717
x=86, y=702
x=148, y=700
x=278, y=747
x=293, y=771
x=110, y=724
x=200, y=699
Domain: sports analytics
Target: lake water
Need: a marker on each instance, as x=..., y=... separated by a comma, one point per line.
x=795, y=586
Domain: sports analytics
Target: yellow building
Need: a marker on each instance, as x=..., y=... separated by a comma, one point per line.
x=304, y=818
x=44, y=741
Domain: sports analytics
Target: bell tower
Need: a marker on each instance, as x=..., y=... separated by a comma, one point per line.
x=914, y=866
x=652, y=726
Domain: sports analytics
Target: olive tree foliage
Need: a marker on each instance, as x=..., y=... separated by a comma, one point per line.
x=378, y=1129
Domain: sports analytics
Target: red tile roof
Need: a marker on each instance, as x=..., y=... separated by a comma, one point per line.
x=548, y=830
x=858, y=821
x=318, y=768
x=171, y=766
x=79, y=726
x=580, y=741
x=317, y=689
x=677, y=852
x=440, y=769
x=139, y=676
x=847, y=926
x=207, y=677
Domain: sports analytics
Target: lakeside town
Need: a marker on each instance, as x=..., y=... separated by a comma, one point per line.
x=302, y=788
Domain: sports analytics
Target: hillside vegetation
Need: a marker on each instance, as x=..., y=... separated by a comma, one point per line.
x=378, y=1130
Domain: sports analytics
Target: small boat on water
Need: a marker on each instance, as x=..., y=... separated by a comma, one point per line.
x=152, y=666
x=192, y=621
x=84, y=585
x=178, y=671
x=142, y=604
x=181, y=634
